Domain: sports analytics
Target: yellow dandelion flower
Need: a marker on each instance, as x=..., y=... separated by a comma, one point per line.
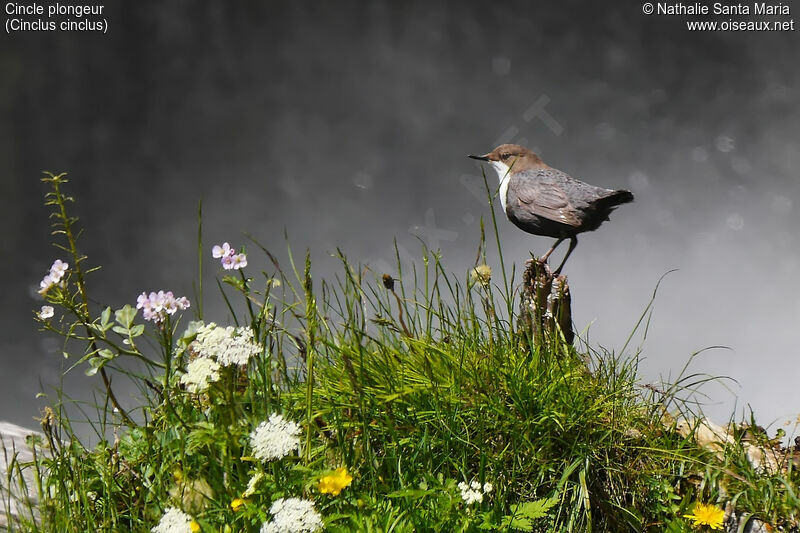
x=707, y=515
x=194, y=526
x=237, y=504
x=334, y=483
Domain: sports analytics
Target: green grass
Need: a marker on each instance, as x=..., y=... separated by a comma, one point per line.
x=414, y=385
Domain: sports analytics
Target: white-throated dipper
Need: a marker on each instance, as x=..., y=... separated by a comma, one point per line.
x=544, y=201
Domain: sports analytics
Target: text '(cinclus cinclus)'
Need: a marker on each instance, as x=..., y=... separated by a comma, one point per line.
x=544, y=201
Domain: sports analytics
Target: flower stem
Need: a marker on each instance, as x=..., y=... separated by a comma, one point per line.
x=67, y=221
x=311, y=313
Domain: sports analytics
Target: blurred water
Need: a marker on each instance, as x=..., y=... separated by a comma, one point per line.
x=347, y=124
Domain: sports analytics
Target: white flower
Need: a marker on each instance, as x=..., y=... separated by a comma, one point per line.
x=487, y=488
x=293, y=515
x=58, y=269
x=275, y=438
x=229, y=346
x=54, y=277
x=45, y=284
x=471, y=492
x=174, y=521
x=46, y=312
x=199, y=374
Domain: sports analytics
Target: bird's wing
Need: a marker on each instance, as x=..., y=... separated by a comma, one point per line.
x=542, y=191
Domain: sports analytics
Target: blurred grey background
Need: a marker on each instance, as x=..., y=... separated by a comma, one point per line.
x=348, y=123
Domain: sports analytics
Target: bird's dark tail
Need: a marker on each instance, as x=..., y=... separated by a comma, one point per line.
x=616, y=198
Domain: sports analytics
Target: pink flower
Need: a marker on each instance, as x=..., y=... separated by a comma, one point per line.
x=222, y=251
x=157, y=305
x=142, y=300
x=239, y=261
x=227, y=262
x=228, y=257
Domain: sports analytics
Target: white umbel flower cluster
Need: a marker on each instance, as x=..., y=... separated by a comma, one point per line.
x=293, y=515
x=229, y=346
x=200, y=373
x=474, y=492
x=275, y=438
x=174, y=521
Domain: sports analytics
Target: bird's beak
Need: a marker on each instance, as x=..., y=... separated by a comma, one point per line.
x=479, y=157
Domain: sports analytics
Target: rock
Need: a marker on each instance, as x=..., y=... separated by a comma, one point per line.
x=716, y=438
x=747, y=524
x=19, y=497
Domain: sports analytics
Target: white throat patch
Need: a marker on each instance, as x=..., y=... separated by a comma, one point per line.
x=504, y=176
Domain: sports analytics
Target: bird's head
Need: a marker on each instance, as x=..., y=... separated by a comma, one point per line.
x=510, y=159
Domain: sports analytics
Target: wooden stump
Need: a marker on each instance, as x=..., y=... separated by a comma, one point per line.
x=545, y=308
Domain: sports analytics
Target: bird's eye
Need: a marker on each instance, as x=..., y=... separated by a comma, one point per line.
x=505, y=156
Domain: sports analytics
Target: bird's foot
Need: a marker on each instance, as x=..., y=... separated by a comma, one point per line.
x=540, y=266
x=541, y=260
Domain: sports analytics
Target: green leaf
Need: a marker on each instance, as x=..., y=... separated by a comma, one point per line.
x=487, y=523
x=523, y=514
x=96, y=363
x=233, y=281
x=536, y=509
x=519, y=523
x=409, y=493
x=100, y=328
x=137, y=330
x=105, y=316
x=190, y=334
x=126, y=315
x=203, y=434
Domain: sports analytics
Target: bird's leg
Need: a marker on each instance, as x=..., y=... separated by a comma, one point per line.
x=543, y=259
x=573, y=242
